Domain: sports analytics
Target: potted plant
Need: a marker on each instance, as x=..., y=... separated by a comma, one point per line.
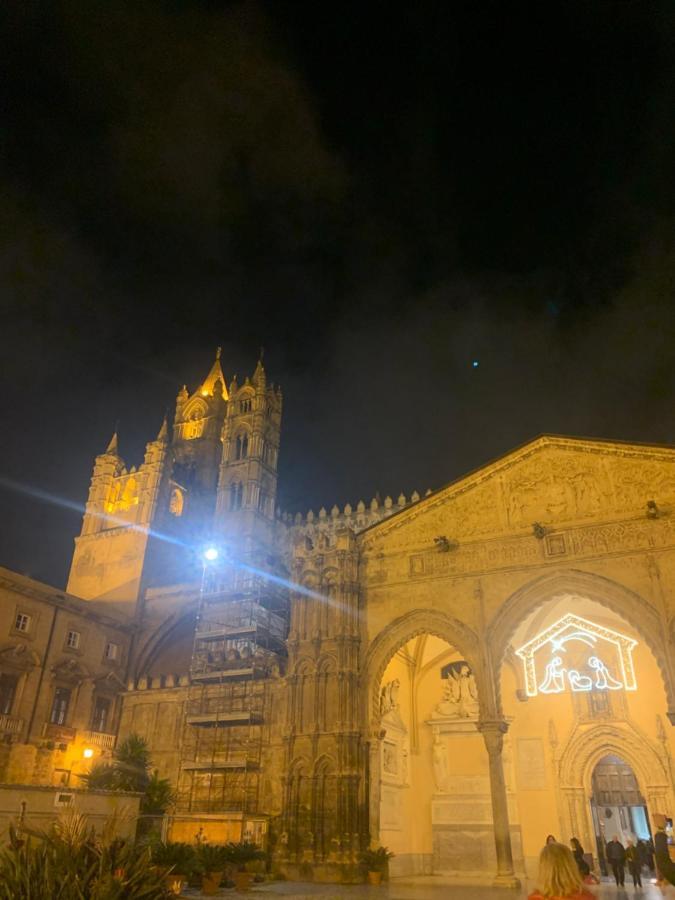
x=212, y=860
x=239, y=855
x=376, y=861
x=176, y=861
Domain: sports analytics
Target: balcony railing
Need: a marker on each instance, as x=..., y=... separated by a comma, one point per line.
x=62, y=734
x=10, y=724
x=98, y=739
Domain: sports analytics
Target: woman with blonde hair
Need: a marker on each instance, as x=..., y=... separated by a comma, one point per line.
x=559, y=877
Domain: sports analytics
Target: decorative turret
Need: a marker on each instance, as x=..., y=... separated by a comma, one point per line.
x=248, y=468
x=163, y=433
x=215, y=375
x=111, y=449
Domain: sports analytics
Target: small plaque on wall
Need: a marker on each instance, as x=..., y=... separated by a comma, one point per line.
x=531, y=764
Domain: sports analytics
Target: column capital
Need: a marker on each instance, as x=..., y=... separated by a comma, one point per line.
x=493, y=731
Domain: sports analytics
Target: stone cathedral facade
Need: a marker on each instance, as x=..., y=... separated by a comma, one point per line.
x=454, y=676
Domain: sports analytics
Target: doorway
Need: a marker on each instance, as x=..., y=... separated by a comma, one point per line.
x=617, y=806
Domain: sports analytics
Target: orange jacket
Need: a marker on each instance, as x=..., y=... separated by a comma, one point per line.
x=578, y=895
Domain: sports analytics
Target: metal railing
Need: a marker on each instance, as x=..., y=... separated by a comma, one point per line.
x=10, y=724
x=98, y=739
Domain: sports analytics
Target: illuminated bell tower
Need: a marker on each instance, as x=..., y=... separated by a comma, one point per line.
x=196, y=446
x=247, y=484
x=121, y=510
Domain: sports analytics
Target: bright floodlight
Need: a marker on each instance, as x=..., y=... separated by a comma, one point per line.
x=211, y=554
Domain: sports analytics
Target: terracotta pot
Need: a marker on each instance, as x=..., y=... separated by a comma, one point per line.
x=211, y=883
x=175, y=883
x=375, y=878
x=242, y=881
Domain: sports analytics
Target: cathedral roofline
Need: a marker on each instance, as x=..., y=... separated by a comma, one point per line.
x=30, y=587
x=522, y=451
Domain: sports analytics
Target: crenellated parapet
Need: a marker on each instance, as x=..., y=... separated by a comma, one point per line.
x=354, y=518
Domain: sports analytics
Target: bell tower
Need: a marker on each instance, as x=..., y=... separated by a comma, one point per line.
x=196, y=445
x=121, y=510
x=247, y=483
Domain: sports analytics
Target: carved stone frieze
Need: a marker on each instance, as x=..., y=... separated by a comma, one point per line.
x=551, y=481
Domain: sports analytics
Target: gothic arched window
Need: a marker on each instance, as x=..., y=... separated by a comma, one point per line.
x=241, y=446
x=236, y=495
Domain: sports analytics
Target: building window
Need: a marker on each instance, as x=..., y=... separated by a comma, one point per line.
x=176, y=502
x=60, y=705
x=193, y=429
x=245, y=406
x=236, y=495
x=111, y=651
x=73, y=640
x=101, y=715
x=241, y=446
x=7, y=693
x=22, y=622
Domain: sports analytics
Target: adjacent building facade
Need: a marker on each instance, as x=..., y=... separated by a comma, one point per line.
x=454, y=676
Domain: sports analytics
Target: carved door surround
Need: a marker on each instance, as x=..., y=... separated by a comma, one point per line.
x=585, y=747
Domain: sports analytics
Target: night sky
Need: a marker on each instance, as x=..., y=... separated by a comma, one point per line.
x=380, y=198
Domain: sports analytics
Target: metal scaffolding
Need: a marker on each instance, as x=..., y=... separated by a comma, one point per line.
x=239, y=644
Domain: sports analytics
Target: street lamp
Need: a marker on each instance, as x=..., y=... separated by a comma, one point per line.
x=211, y=554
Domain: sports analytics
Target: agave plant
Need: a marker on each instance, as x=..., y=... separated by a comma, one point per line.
x=69, y=862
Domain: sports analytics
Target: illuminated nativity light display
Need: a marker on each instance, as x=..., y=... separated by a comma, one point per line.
x=580, y=655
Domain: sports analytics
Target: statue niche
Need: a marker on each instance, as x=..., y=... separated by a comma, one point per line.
x=389, y=697
x=460, y=695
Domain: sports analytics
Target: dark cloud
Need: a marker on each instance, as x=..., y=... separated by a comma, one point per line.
x=378, y=200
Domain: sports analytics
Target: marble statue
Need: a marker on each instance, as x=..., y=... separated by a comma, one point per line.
x=440, y=759
x=460, y=695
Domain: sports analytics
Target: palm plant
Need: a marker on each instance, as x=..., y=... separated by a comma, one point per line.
x=130, y=770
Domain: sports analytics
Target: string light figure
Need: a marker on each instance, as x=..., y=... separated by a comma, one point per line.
x=574, y=630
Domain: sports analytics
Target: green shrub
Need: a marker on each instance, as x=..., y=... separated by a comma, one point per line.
x=212, y=858
x=175, y=857
x=376, y=860
x=238, y=854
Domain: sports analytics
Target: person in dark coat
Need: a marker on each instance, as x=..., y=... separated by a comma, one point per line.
x=665, y=867
x=578, y=853
x=634, y=860
x=616, y=857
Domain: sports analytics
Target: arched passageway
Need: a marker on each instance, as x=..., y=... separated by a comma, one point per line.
x=580, y=684
x=431, y=802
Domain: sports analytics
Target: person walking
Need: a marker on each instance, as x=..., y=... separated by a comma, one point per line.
x=616, y=857
x=578, y=853
x=559, y=877
x=634, y=860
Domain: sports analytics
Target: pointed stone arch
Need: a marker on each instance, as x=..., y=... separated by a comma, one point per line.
x=418, y=621
x=631, y=606
x=160, y=639
x=585, y=747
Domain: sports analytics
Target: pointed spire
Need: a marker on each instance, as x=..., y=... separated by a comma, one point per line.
x=111, y=449
x=259, y=379
x=163, y=434
x=206, y=389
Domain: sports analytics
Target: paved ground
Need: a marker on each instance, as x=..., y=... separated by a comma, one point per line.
x=419, y=889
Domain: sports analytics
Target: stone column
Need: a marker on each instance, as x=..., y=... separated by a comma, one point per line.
x=374, y=751
x=493, y=735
